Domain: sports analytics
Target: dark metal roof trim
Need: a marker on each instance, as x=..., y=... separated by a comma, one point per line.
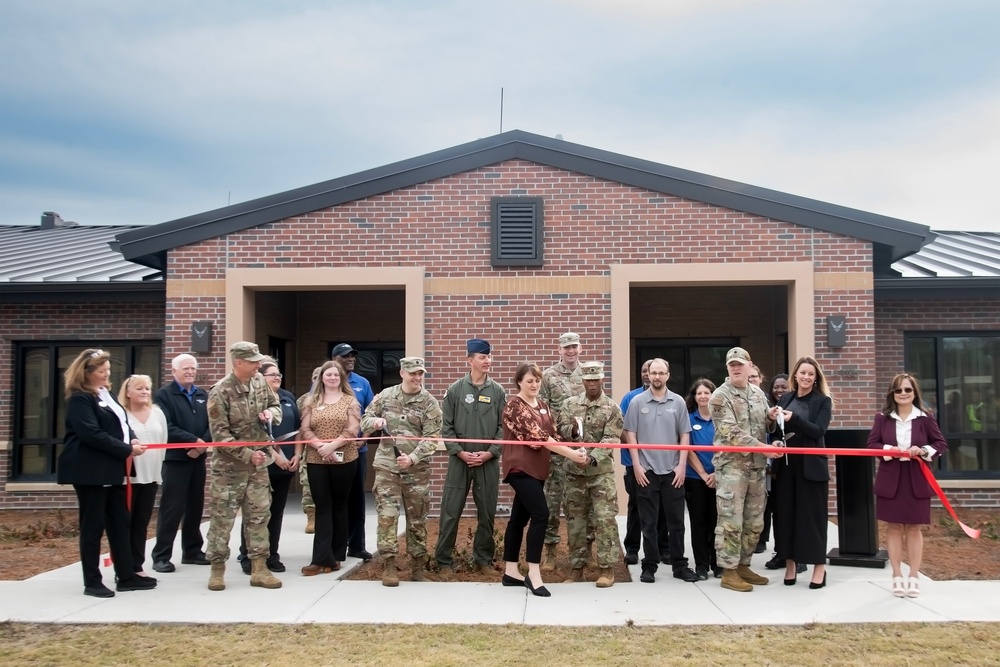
x=148, y=245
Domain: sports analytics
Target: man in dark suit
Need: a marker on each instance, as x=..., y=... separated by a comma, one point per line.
x=183, y=496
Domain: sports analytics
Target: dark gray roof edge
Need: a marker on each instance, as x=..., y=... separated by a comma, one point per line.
x=959, y=288
x=901, y=236
x=81, y=287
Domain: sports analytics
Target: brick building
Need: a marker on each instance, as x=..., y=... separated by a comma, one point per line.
x=518, y=238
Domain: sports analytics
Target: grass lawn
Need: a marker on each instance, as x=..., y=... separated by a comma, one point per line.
x=411, y=645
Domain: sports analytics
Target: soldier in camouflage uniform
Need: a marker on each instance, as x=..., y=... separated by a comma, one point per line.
x=741, y=418
x=591, y=494
x=402, y=467
x=559, y=382
x=237, y=406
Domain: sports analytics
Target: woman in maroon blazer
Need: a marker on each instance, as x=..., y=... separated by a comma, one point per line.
x=902, y=495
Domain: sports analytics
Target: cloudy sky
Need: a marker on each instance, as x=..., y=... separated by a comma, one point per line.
x=125, y=112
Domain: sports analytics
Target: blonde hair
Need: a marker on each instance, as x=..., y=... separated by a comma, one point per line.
x=123, y=392
x=85, y=363
x=316, y=395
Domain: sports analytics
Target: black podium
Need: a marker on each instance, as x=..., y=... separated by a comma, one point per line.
x=856, y=525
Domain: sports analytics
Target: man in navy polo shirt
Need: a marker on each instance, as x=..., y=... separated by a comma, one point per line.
x=347, y=356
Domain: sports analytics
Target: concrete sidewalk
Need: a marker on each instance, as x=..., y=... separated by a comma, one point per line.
x=852, y=595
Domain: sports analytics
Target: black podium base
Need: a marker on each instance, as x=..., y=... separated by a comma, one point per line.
x=858, y=560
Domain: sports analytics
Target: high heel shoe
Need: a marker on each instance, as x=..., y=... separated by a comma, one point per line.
x=507, y=580
x=814, y=586
x=541, y=591
x=792, y=581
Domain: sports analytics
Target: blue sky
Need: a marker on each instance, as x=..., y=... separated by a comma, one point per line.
x=141, y=112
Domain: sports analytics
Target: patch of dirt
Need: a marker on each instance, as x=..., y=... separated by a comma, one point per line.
x=36, y=541
x=463, y=564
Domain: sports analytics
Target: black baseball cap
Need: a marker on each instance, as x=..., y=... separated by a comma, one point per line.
x=342, y=350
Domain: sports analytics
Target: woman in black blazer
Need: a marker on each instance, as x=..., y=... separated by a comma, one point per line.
x=803, y=480
x=93, y=460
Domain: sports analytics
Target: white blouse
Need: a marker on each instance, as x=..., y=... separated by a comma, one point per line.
x=147, y=466
x=904, y=435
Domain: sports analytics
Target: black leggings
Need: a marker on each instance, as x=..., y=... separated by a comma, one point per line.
x=529, y=504
x=143, y=499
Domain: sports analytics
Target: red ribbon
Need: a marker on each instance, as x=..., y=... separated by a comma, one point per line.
x=924, y=468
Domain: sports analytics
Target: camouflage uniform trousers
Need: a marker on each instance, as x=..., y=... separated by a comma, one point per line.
x=230, y=492
x=592, y=504
x=307, y=496
x=740, y=498
x=555, y=489
x=408, y=491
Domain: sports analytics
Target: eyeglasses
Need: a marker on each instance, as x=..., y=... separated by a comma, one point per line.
x=902, y=390
x=273, y=375
x=657, y=373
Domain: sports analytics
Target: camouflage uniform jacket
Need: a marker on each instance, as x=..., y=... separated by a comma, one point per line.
x=558, y=384
x=740, y=419
x=232, y=417
x=414, y=415
x=602, y=422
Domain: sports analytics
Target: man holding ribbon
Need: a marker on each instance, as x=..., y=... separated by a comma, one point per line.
x=240, y=409
x=471, y=409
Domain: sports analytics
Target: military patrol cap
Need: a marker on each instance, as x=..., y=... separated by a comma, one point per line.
x=592, y=370
x=569, y=338
x=342, y=350
x=245, y=350
x=477, y=346
x=737, y=354
x=412, y=364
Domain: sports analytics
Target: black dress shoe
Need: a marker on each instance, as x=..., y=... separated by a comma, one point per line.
x=197, y=560
x=135, y=583
x=363, y=555
x=541, y=591
x=508, y=580
x=792, y=581
x=775, y=563
x=761, y=548
x=163, y=566
x=631, y=558
x=717, y=572
x=99, y=591
x=686, y=573
x=800, y=568
x=246, y=565
x=819, y=585
x=702, y=573
x=647, y=576
x=275, y=566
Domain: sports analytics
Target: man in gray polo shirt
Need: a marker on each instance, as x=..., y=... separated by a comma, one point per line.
x=658, y=416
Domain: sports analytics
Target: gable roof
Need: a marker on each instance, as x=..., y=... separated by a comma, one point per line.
x=68, y=259
x=893, y=238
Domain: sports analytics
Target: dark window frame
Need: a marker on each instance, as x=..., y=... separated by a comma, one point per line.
x=504, y=209
x=940, y=397
x=51, y=441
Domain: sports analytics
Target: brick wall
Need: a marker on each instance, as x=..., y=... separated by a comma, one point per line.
x=60, y=322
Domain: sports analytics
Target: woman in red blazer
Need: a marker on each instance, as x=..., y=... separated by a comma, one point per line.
x=902, y=495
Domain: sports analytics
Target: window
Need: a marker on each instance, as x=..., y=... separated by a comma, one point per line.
x=516, y=231
x=376, y=362
x=958, y=376
x=40, y=403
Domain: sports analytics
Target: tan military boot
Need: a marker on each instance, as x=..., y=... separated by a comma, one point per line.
x=751, y=577
x=261, y=576
x=310, y=520
x=731, y=580
x=576, y=576
x=607, y=578
x=389, y=576
x=417, y=570
x=549, y=559
x=216, y=579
